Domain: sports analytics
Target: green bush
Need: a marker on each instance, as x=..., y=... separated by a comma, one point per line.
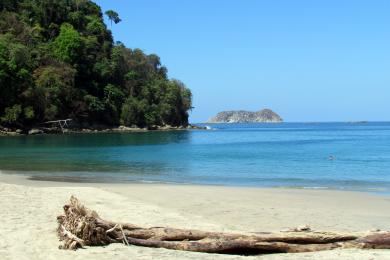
x=12, y=114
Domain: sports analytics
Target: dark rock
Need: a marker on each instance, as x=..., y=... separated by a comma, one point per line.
x=195, y=127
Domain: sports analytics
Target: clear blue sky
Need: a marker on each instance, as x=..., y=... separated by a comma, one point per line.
x=323, y=60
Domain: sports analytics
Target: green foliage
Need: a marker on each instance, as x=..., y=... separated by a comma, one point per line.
x=132, y=112
x=113, y=95
x=93, y=103
x=68, y=44
x=113, y=16
x=95, y=25
x=58, y=60
x=53, y=91
x=12, y=114
x=29, y=113
x=15, y=65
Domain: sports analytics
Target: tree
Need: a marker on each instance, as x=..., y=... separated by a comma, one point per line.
x=53, y=92
x=68, y=44
x=15, y=64
x=113, y=16
x=58, y=59
x=133, y=112
x=12, y=114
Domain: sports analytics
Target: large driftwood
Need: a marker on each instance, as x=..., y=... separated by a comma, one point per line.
x=80, y=227
x=62, y=123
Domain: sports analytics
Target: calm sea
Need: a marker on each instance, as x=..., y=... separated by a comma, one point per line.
x=352, y=156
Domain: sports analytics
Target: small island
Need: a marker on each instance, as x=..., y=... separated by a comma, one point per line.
x=241, y=116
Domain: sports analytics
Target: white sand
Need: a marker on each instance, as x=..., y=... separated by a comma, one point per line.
x=28, y=216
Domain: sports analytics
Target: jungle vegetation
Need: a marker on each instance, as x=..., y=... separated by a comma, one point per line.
x=58, y=60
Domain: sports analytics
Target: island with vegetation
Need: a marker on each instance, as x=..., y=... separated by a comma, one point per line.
x=58, y=60
x=241, y=116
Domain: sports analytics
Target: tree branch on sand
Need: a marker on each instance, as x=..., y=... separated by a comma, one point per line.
x=80, y=226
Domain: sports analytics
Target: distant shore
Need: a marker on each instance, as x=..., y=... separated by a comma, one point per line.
x=29, y=210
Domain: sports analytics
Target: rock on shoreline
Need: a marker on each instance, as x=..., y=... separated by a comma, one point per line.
x=241, y=116
x=92, y=129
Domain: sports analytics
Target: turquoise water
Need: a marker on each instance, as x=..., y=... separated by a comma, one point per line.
x=270, y=155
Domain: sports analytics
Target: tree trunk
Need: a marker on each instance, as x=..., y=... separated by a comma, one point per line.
x=80, y=227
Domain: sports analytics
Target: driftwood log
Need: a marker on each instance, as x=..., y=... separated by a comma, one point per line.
x=80, y=227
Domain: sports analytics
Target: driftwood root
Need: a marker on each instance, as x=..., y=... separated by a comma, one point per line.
x=80, y=226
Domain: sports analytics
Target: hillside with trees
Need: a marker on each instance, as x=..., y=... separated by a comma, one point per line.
x=58, y=60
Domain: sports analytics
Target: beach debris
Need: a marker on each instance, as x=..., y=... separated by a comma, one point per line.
x=79, y=227
x=303, y=228
x=62, y=123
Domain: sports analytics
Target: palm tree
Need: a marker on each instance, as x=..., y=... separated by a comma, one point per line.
x=113, y=16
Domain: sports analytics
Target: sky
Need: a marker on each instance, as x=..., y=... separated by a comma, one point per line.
x=309, y=61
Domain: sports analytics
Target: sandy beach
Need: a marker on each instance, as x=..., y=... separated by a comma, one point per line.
x=29, y=210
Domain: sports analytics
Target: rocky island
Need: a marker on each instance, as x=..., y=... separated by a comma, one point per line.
x=241, y=116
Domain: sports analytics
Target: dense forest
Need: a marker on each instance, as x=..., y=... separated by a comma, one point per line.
x=58, y=60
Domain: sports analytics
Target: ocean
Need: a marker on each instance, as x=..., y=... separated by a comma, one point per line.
x=345, y=156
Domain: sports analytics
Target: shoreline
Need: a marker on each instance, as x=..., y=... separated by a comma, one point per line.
x=92, y=130
x=30, y=207
x=24, y=178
